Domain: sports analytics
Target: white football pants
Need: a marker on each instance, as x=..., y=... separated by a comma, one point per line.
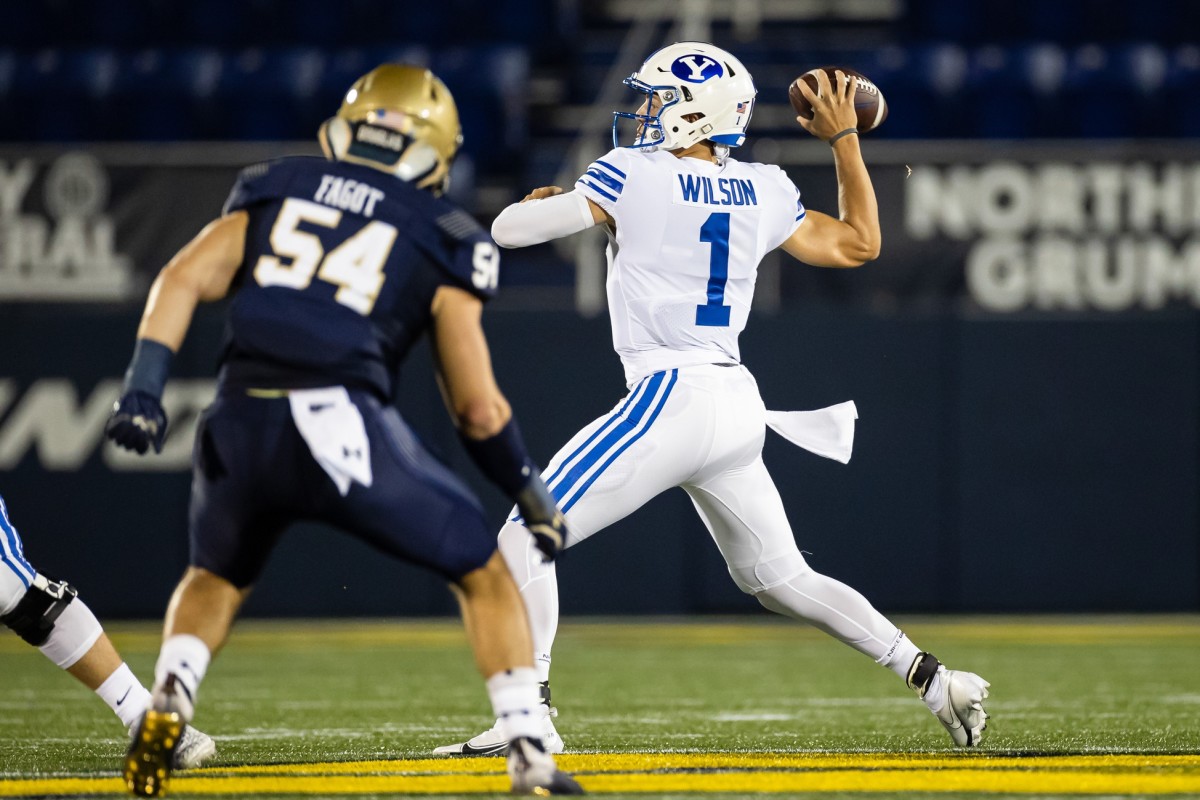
x=700, y=428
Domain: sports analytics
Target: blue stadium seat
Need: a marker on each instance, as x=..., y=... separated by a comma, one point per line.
x=268, y=94
x=1099, y=97
x=1181, y=86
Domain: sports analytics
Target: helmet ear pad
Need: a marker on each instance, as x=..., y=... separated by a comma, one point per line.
x=335, y=137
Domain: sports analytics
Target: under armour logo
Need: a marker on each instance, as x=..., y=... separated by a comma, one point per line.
x=348, y=453
x=696, y=69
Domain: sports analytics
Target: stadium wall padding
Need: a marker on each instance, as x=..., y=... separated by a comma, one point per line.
x=1002, y=464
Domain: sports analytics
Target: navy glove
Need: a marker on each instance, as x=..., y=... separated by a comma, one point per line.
x=542, y=517
x=137, y=422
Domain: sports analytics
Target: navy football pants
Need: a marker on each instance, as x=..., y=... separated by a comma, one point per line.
x=253, y=475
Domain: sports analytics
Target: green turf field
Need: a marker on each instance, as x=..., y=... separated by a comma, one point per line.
x=1080, y=705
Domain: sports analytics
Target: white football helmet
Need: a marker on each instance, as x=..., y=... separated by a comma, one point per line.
x=689, y=78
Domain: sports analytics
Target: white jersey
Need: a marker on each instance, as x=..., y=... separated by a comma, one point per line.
x=683, y=263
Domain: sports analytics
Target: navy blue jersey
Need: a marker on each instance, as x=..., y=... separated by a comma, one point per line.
x=341, y=265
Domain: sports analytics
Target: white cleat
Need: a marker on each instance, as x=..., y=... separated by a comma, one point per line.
x=533, y=771
x=961, y=711
x=195, y=749
x=493, y=743
x=955, y=698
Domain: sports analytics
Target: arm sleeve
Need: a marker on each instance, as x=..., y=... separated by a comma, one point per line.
x=537, y=221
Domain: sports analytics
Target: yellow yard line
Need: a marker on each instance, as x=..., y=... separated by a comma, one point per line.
x=687, y=772
x=1181, y=630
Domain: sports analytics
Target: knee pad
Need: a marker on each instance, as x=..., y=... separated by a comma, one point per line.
x=75, y=631
x=36, y=613
x=765, y=574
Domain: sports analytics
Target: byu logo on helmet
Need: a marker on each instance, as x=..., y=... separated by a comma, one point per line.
x=696, y=68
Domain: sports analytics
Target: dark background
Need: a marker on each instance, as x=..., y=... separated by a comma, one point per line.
x=1042, y=460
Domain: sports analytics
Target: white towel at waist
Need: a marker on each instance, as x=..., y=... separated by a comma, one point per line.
x=828, y=432
x=333, y=428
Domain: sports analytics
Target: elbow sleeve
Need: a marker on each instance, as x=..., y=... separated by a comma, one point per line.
x=537, y=221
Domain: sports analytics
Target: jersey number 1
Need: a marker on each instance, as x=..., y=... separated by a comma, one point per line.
x=715, y=231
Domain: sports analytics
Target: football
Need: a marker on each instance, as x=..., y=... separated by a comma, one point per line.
x=868, y=100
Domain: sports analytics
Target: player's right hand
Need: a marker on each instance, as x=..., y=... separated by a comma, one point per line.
x=542, y=518
x=138, y=422
x=542, y=192
x=833, y=108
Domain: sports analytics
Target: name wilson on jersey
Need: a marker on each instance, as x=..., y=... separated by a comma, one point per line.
x=699, y=190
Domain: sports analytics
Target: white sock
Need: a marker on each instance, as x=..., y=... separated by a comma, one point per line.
x=124, y=694
x=516, y=700
x=541, y=664
x=901, y=655
x=186, y=657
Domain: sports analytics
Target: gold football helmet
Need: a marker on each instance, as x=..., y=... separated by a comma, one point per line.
x=400, y=119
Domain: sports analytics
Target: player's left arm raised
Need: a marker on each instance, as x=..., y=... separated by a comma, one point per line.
x=202, y=271
x=854, y=238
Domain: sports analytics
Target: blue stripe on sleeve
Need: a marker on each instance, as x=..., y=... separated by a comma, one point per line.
x=597, y=189
x=606, y=179
x=610, y=168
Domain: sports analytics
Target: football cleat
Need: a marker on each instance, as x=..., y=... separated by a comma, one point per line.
x=195, y=749
x=955, y=698
x=160, y=733
x=533, y=771
x=151, y=756
x=494, y=743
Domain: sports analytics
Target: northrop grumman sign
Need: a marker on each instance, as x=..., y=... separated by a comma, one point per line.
x=1104, y=235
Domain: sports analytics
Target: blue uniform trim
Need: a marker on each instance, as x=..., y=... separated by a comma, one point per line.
x=598, y=190
x=10, y=549
x=801, y=215
x=629, y=442
x=606, y=179
x=610, y=168
x=614, y=417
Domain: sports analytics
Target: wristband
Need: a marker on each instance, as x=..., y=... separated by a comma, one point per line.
x=840, y=134
x=149, y=368
x=503, y=458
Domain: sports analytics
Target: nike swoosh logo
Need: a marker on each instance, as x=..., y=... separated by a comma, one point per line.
x=490, y=750
x=127, y=691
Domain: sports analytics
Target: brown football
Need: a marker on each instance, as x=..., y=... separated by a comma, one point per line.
x=868, y=100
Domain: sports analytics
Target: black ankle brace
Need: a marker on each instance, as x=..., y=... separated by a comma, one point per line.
x=921, y=673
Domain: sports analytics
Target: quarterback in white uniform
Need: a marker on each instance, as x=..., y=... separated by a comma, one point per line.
x=688, y=226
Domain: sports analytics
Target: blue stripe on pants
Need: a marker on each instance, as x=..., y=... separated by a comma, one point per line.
x=614, y=435
x=11, y=552
x=613, y=418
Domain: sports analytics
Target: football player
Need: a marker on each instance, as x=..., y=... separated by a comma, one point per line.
x=50, y=616
x=337, y=266
x=688, y=226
